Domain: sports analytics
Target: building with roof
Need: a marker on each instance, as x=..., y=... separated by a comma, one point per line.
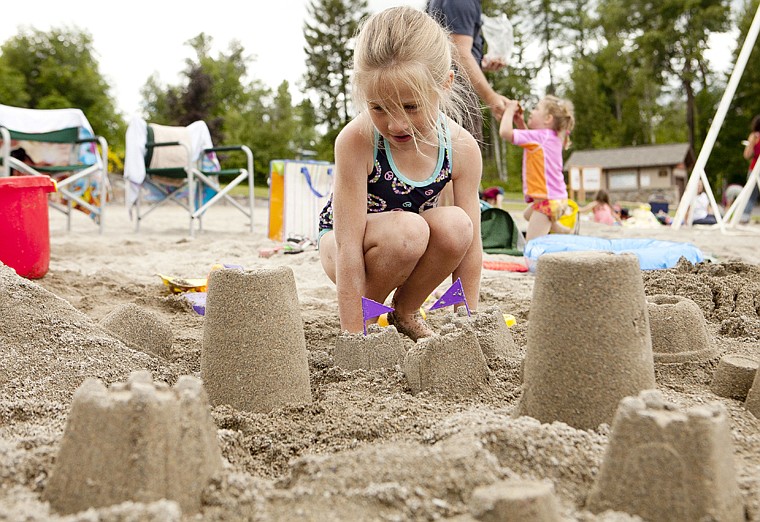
x=631, y=173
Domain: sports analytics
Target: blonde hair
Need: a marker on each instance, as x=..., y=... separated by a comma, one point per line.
x=403, y=47
x=564, y=116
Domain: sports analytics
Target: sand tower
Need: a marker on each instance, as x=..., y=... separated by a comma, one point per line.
x=494, y=337
x=588, y=341
x=381, y=348
x=140, y=441
x=451, y=364
x=254, y=349
x=752, y=403
x=734, y=377
x=670, y=466
x=515, y=501
x=679, y=332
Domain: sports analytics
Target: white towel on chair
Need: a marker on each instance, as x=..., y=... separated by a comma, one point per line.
x=35, y=121
x=198, y=139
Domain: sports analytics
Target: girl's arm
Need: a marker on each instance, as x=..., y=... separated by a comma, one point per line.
x=749, y=150
x=353, y=159
x=467, y=170
x=507, y=125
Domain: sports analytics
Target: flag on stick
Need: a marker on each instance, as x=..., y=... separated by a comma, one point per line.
x=371, y=309
x=453, y=296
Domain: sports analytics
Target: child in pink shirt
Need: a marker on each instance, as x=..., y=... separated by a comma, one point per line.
x=547, y=134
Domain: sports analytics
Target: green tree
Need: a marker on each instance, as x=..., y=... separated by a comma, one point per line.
x=212, y=88
x=56, y=69
x=670, y=37
x=329, y=34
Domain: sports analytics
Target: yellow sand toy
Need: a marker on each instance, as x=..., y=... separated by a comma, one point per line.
x=570, y=219
x=178, y=285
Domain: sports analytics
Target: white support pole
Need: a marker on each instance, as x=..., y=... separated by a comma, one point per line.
x=699, y=167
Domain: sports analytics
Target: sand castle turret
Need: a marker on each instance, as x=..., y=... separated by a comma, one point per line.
x=380, y=348
x=588, y=342
x=670, y=466
x=140, y=441
x=734, y=377
x=448, y=364
x=254, y=348
x=494, y=337
x=679, y=330
x=752, y=402
x=515, y=501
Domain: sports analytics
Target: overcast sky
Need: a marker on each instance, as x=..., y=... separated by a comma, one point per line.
x=140, y=37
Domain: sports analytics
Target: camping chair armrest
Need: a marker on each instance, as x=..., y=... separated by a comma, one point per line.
x=224, y=148
x=163, y=144
x=94, y=139
x=231, y=148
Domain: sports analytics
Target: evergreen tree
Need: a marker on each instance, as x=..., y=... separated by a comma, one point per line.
x=670, y=39
x=329, y=34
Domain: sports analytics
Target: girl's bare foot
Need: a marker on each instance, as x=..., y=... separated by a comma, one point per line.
x=413, y=326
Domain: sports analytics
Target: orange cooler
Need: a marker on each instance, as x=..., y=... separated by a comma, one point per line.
x=24, y=225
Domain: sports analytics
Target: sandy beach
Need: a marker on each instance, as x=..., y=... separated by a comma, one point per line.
x=366, y=447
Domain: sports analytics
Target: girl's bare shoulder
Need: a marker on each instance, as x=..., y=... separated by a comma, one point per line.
x=356, y=135
x=464, y=145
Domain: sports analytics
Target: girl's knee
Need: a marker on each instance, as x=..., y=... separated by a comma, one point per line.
x=452, y=230
x=408, y=237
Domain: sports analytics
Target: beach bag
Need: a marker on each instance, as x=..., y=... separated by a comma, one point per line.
x=499, y=233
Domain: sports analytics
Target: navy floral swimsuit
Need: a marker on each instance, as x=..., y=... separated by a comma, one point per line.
x=389, y=190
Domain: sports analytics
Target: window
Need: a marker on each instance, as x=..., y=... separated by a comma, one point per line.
x=623, y=180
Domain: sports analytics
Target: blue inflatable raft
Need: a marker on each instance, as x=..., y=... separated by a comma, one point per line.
x=652, y=253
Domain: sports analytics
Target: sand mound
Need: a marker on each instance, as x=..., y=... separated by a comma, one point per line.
x=49, y=347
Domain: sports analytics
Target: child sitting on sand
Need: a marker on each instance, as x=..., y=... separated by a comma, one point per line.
x=602, y=209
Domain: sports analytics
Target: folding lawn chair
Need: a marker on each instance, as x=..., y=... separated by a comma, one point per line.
x=179, y=164
x=58, y=143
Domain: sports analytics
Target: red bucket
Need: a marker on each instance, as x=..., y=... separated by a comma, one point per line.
x=24, y=225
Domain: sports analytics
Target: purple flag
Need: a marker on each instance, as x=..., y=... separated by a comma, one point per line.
x=372, y=309
x=454, y=295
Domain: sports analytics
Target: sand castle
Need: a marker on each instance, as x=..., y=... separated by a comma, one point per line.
x=515, y=501
x=682, y=463
x=679, y=332
x=734, y=376
x=380, y=348
x=137, y=441
x=450, y=364
x=139, y=329
x=494, y=337
x=254, y=350
x=752, y=403
x=588, y=341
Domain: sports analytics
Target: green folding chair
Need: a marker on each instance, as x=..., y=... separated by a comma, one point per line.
x=195, y=180
x=71, y=155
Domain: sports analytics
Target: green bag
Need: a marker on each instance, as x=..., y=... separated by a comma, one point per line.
x=499, y=233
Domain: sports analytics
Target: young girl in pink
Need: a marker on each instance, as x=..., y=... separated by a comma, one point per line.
x=546, y=136
x=602, y=209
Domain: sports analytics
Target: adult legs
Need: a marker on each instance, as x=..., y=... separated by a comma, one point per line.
x=747, y=214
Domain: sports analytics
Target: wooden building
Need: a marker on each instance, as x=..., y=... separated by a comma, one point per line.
x=631, y=173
